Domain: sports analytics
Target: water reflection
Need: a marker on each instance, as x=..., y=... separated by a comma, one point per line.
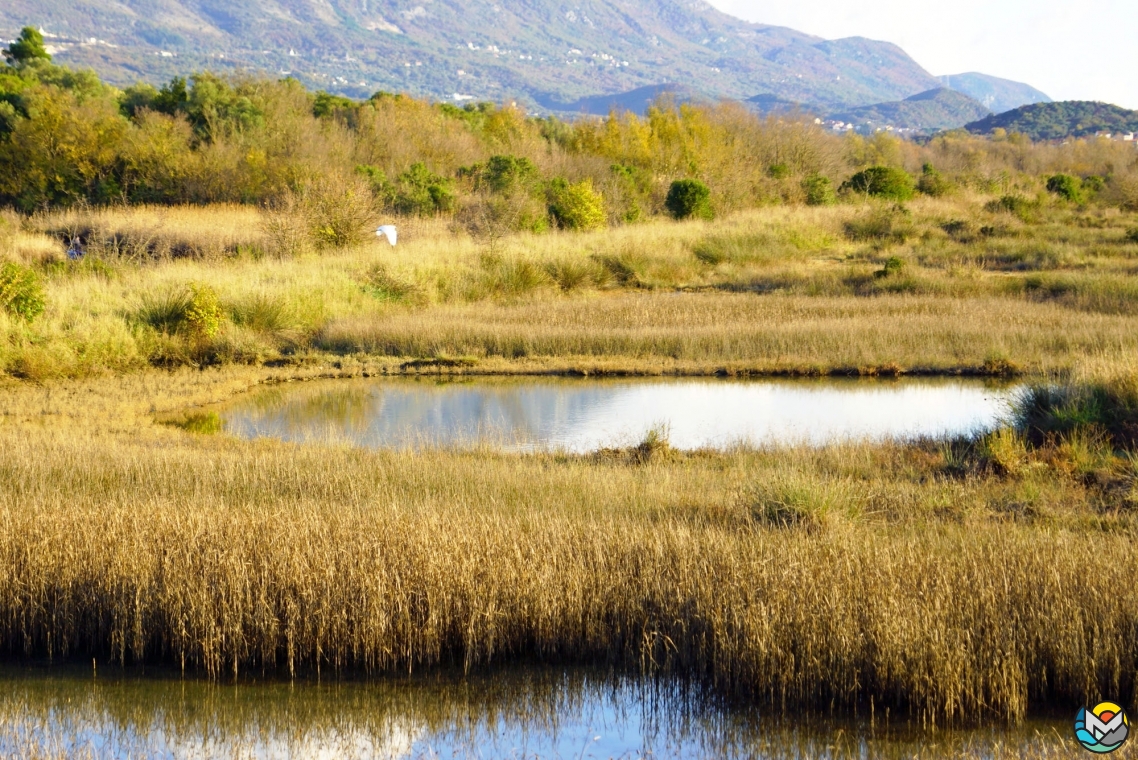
x=584, y=415
x=529, y=712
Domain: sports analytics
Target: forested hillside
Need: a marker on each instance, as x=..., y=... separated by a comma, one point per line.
x=1057, y=121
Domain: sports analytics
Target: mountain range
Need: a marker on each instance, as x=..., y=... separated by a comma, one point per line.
x=547, y=52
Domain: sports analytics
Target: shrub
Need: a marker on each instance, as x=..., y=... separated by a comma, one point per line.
x=285, y=225
x=21, y=293
x=1132, y=234
x=881, y=182
x=624, y=268
x=194, y=311
x=1066, y=187
x=689, y=199
x=577, y=206
x=510, y=277
x=340, y=212
x=1047, y=412
x=894, y=265
x=1093, y=185
x=503, y=174
x=203, y=313
x=778, y=171
x=421, y=191
x=1122, y=191
x=882, y=226
x=959, y=230
x=1016, y=205
x=262, y=313
x=570, y=273
x=818, y=190
x=165, y=312
x=385, y=286
x=933, y=183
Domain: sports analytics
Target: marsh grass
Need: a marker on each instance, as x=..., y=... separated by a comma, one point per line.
x=918, y=577
x=441, y=292
x=791, y=578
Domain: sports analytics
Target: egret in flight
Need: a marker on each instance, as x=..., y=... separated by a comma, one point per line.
x=388, y=231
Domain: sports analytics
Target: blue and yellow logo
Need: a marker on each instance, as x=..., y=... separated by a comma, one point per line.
x=1103, y=729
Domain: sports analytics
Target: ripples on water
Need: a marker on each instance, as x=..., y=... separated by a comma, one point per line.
x=584, y=415
x=530, y=712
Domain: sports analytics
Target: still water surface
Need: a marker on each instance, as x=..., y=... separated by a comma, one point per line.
x=518, y=713
x=584, y=414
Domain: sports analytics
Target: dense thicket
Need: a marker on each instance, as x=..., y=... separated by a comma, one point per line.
x=67, y=138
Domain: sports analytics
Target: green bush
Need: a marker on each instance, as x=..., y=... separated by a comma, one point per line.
x=933, y=183
x=1093, y=185
x=1066, y=187
x=504, y=174
x=1016, y=205
x=819, y=191
x=420, y=191
x=203, y=313
x=778, y=171
x=689, y=199
x=577, y=206
x=881, y=182
x=21, y=293
x=894, y=265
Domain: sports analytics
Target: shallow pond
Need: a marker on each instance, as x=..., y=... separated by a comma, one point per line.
x=528, y=712
x=587, y=414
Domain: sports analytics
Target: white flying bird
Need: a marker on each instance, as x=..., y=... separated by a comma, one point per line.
x=388, y=231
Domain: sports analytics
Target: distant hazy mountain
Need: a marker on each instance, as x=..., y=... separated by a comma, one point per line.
x=635, y=101
x=486, y=49
x=997, y=95
x=930, y=111
x=1056, y=121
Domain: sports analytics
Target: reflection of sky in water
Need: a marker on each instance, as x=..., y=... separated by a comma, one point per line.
x=512, y=713
x=584, y=415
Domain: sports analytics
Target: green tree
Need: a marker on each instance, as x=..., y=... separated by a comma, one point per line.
x=881, y=182
x=688, y=199
x=68, y=152
x=29, y=47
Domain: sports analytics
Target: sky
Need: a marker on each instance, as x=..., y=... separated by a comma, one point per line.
x=1086, y=50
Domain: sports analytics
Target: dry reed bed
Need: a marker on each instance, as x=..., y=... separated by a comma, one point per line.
x=741, y=331
x=229, y=557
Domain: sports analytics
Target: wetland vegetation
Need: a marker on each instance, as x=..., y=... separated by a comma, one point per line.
x=957, y=580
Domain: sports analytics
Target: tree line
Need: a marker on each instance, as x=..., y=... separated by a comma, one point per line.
x=68, y=138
